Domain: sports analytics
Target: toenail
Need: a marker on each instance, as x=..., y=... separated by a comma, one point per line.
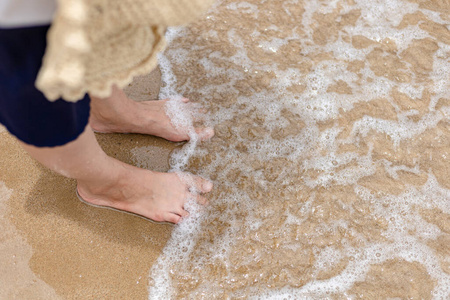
x=207, y=186
x=208, y=133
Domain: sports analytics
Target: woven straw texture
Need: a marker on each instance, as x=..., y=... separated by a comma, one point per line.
x=94, y=44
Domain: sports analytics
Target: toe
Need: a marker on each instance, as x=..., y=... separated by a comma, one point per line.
x=205, y=133
x=171, y=217
x=202, y=200
x=184, y=214
x=203, y=185
x=181, y=212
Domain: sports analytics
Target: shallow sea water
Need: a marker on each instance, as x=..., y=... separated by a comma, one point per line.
x=331, y=155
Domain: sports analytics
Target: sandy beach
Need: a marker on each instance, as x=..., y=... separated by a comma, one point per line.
x=55, y=247
x=331, y=164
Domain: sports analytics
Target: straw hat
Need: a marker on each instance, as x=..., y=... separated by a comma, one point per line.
x=93, y=44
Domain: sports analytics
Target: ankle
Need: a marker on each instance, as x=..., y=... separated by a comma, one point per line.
x=111, y=115
x=104, y=184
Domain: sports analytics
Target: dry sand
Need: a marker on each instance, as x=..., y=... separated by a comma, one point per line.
x=53, y=246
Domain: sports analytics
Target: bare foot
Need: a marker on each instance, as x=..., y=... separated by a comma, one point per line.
x=120, y=114
x=157, y=196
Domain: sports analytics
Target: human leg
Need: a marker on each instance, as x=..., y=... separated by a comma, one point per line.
x=56, y=134
x=105, y=181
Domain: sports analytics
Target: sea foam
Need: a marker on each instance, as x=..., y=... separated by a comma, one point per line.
x=303, y=138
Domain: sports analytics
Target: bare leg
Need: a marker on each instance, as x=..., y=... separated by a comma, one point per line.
x=103, y=180
x=118, y=113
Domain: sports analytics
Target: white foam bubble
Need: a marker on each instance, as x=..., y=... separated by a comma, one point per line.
x=272, y=45
x=316, y=148
x=441, y=72
x=397, y=131
x=243, y=7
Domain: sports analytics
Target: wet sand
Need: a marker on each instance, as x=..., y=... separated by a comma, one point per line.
x=53, y=246
x=364, y=209
x=331, y=155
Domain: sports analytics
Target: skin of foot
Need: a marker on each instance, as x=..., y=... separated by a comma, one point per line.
x=103, y=180
x=154, y=195
x=120, y=114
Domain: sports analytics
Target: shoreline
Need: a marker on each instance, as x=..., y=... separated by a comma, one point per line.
x=54, y=246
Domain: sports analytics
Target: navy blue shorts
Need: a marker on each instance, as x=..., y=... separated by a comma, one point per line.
x=24, y=110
